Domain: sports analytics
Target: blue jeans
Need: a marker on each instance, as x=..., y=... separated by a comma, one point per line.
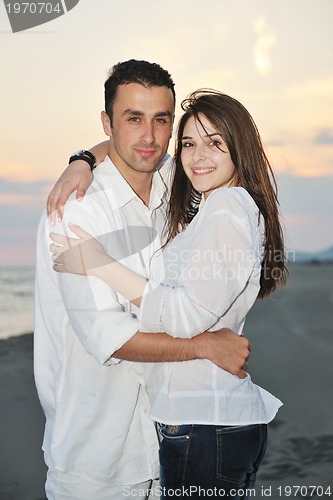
x=200, y=461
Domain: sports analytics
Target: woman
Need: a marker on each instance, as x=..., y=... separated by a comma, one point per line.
x=224, y=249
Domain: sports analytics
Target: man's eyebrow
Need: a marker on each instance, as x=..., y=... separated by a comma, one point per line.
x=164, y=113
x=134, y=112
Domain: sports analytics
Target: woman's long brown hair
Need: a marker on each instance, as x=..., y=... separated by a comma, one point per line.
x=253, y=172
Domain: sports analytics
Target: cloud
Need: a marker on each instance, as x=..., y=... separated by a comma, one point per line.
x=23, y=196
x=306, y=195
x=263, y=45
x=211, y=78
x=20, y=217
x=18, y=227
x=324, y=136
x=16, y=187
x=306, y=206
x=21, y=205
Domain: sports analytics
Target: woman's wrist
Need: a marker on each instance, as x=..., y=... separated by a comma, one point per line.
x=84, y=155
x=99, y=151
x=103, y=267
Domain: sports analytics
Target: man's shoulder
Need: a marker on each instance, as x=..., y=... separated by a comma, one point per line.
x=92, y=211
x=165, y=171
x=166, y=165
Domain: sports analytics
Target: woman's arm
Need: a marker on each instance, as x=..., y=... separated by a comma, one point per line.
x=224, y=258
x=85, y=256
x=77, y=176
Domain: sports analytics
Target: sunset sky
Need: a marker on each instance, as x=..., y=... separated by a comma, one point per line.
x=276, y=57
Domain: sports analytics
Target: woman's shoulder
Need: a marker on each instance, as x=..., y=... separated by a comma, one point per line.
x=235, y=200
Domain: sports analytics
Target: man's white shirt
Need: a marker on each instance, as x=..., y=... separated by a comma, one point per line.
x=97, y=424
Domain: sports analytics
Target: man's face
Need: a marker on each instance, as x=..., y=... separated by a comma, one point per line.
x=141, y=127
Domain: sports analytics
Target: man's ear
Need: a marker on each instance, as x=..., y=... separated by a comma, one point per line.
x=106, y=123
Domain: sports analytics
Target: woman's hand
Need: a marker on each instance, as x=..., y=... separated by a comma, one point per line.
x=77, y=255
x=77, y=176
x=85, y=256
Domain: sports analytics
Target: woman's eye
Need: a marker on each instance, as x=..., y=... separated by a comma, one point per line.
x=217, y=144
x=187, y=144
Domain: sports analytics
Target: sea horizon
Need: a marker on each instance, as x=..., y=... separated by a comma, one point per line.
x=17, y=292
x=16, y=300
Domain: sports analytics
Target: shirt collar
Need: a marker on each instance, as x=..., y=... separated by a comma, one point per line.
x=119, y=192
x=158, y=191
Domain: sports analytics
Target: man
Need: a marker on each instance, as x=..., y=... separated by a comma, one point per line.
x=99, y=442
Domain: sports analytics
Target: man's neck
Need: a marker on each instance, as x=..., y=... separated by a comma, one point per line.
x=140, y=182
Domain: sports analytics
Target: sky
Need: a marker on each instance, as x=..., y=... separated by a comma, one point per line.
x=276, y=57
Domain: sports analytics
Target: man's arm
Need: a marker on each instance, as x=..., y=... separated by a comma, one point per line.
x=223, y=348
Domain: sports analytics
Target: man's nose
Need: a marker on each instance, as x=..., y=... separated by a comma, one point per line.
x=148, y=136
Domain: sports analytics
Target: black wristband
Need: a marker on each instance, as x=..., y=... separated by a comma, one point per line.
x=85, y=156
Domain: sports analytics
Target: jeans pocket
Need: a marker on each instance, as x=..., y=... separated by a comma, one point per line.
x=240, y=451
x=173, y=454
x=175, y=432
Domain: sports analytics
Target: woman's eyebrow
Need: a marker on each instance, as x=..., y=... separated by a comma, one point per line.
x=212, y=134
x=206, y=135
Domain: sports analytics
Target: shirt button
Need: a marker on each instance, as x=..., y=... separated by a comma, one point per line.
x=145, y=411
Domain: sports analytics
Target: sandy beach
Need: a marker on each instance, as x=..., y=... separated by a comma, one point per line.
x=292, y=350
x=22, y=470
x=291, y=338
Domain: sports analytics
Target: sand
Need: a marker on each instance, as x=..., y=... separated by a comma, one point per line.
x=292, y=350
x=22, y=470
x=292, y=340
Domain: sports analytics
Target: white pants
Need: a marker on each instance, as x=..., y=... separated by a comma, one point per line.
x=62, y=486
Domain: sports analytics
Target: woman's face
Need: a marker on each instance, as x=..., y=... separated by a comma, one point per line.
x=205, y=157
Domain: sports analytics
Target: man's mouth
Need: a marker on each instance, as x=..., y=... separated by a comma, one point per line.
x=146, y=153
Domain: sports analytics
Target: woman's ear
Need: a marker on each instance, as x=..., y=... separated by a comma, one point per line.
x=106, y=122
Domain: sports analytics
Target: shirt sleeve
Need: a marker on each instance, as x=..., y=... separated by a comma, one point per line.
x=214, y=264
x=100, y=321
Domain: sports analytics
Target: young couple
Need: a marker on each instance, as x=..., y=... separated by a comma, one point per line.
x=155, y=274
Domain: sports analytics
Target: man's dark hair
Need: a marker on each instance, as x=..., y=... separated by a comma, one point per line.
x=133, y=71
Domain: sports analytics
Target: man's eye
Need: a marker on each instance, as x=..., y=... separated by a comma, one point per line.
x=161, y=120
x=133, y=119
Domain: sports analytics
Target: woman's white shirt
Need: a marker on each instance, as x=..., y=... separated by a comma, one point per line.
x=212, y=274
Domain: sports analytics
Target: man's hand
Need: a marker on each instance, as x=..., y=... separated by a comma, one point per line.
x=225, y=349
x=77, y=176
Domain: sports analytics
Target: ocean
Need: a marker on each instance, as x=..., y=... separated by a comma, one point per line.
x=16, y=301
